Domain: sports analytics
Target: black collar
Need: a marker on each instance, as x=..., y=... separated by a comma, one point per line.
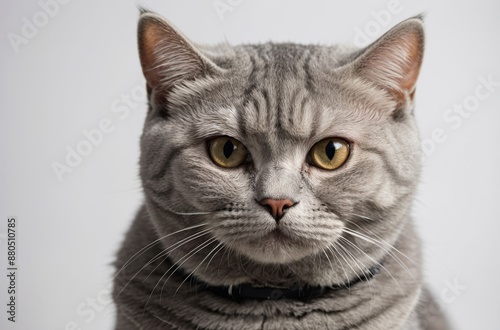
x=305, y=293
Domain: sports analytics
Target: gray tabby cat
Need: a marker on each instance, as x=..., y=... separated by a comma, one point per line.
x=278, y=182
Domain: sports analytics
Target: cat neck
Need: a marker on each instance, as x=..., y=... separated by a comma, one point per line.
x=303, y=292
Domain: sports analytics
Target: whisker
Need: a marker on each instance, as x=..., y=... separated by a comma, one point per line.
x=356, y=261
x=348, y=279
x=209, y=261
x=380, y=240
x=363, y=217
x=378, y=263
x=383, y=245
x=373, y=241
x=163, y=253
x=347, y=254
x=189, y=256
x=188, y=213
x=178, y=245
x=338, y=261
x=362, y=270
x=147, y=247
x=196, y=268
x=329, y=261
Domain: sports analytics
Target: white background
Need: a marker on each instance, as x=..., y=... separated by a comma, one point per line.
x=69, y=75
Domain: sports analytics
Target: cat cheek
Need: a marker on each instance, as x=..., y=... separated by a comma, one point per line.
x=211, y=185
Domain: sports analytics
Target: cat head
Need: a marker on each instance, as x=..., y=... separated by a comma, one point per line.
x=279, y=151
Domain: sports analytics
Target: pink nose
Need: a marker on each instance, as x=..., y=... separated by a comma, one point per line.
x=277, y=206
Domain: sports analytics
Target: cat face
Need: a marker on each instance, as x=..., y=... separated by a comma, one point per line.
x=279, y=149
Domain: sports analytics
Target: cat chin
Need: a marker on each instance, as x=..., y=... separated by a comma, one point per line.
x=277, y=246
x=276, y=251
x=278, y=258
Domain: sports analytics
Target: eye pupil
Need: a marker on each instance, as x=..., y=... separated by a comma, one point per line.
x=228, y=149
x=330, y=150
x=329, y=154
x=227, y=152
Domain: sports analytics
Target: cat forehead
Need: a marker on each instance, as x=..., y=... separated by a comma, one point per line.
x=284, y=57
x=289, y=89
x=299, y=117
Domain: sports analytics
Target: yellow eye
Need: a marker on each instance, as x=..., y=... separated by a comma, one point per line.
x=227, y=152
x=329, y=154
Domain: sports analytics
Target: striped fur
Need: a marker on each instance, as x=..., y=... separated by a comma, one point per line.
x=278, y=100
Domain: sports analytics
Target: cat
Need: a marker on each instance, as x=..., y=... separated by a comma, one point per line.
x=278, y=182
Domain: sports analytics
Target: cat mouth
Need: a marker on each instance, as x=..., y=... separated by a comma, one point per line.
x=279, y=235
x=278, y=245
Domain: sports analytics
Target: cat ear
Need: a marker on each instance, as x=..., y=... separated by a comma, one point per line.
x=167, y=57
x=393, y=61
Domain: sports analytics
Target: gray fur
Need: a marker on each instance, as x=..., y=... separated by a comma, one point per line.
x=278, y=100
